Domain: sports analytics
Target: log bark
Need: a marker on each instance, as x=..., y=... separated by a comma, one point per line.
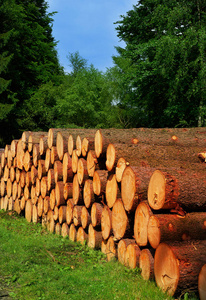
x=85, y=217
x=94, y=238
x=112, y=190
x=88, y=193
x=184, y=189
x=106, y=222
x=168, y=227
x=146, y=264
x=96, y=213
x=202, y=283
x=134, y=186
x=177, y=266
x=121, y=249
x=122, y=225
x=67, y=168
x=141, y=219
x=132, y=256
x=99, y=182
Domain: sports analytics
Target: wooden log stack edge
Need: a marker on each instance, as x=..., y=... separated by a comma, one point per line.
x=137, y=194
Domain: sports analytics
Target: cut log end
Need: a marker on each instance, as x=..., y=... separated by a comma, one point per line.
x=146, y=264
x=156, y=190
x=98, y=143
x=154, y=234
x=128, y=188
x=121, y=165
x=110, y=157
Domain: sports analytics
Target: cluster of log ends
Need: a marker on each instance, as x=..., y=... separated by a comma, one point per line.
x=105, y=190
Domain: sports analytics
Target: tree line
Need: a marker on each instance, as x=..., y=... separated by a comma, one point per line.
x=158, y=78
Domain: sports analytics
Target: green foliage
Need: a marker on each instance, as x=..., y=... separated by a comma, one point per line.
x=160, y=73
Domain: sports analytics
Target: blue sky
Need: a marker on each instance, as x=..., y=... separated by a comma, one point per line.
x=87, y=26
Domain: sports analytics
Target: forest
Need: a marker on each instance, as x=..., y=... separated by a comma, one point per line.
x=157, y=80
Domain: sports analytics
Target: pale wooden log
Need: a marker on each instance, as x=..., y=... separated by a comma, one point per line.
x=50, y=221
x=94, y=238
x=99, y=182
x=52, y=199
x=24, y=138
x=61, y=144
x=59, y=193
x=65, y=230
x=50, y=179
x=14, y=162
x=19, y=191
x=28, y=210
x=96, y=213
x=27, y=194
x=67, y=168
x=85, y=217
x=112, y=190
x=12, y=173
x=58, y=228
x=121, y=249
x=77, y=215
x=9, y=159
x=23, y=179
x=56, y=213
x=2, y=203
x=43, y=144
x=33, y=194
x=38, y=187
x=46, y=204
x=146, y=264
x=11, y=204
x=68, y=190
x=88, y=193
x=104, y=246
x=82, y=236
x=36, y=155
x=48, y=164
x=111, y=249
x=44, y=221
x=58, y=171
x=5, y=203
x=28, y=179
x=3, y=160
x=75, y=159
x=54, y=154
x=92, y=163
x=3, y=187
x=100, y=144
x=51, y=137
x=202, y=283
x=72, y=233
x=34, y=174
x=6, y=173
x=111, y=157
x=6, y=150
x=141, y=219
x=22, y=203
x=9, y=187
x=70, y=144
x=69, y=211
x=121, y=165
x=14, y=148
x=17, y=207
x=62, y=214
x=44, y=187
x=82, y=173
x=40, y=206
x=34, y=139
x=132, y=256
x=167, y=227
x=177, y=266
x=134, y=186
x=78, y=145
x=41, y=169
x=35, y=217
x=106, y=222
x=20, y=154
x=87, y=145
x=77, y=191
x=18, y=173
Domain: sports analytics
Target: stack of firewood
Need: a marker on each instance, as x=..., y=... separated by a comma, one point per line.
x=137, y=194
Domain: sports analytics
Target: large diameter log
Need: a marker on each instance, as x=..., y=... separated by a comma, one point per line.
x=99, y=182
x=186, y=189
x=59, y=193
x=167, y=227
x=106, y=222
x=112, y=190
x=141, y=219
x=67, y=168
x=121, y=249
x=134, y=186
x=121, y=225
x=61, y=144
x=96, y=213
x=94, y=238
x=202, y=283
x=146, y=264
x=88, y=193
x=177, y=266
x=82, y=173
x=132, y=256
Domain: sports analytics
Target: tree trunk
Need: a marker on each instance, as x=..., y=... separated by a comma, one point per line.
x=202, y=283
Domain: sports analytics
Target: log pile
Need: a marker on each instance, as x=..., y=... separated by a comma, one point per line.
x=137, y=194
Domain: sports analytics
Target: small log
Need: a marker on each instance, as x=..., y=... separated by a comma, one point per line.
x=167, y=227
x=82, y=173
x=20, y=154
x=85, y=217
x=43, y=144
x=121, y=249
x=68, y=190
x=24, y=139
x=70, y=144
x=65, y=230
x=33, y=194
x=104, y=246
x=9, y=187
x=177, y=266
x=134, y=186
x=99, y=182
x=77, y=210
x=35, y=217
x=75, y=159
x=96, y=213
x=202, y=283
x=77, y=191
x=61, y=144
x=14, y=190
x=14, y=148
x=17, y=207
x=22, y=203
x=87, y=144
x=27, y=194
x=67, y=168
x=59, y=193
x=78, y=146
x=100, y=144
x=122, y=226
x=82, y=236
x=50, y=224
x=72, y=233
x=36, y=155
x=46, y=204
x=41, y=169
x=52, y=199
x=11, y=204
x=54, y=154
x=38, y=187
x=44, y=187
x=3, y=160
x=28, y=210
x=111, y=249
x=40, y=206
x=9, y=159
x=23, y=179
x=106, y=222
x=62, y=214
x=58, y=229
x=6, y=150
x=56, y=213
x=58, y=171
x=6, y=173
x=132, y=256
x=92, y=163
x=69, y=211
x=88, y=193
x=112, y=190
x=141, y=219
x=3, y=187
x=48, y=164
x=121, y=165
x=34, y=174
x=28, y=180
x=146, y=264
x=19, y=191
x=27, y=161
x=18, y=173
x=50, y=180
x=44, y=221
x=34, y=139
x=111, y=157
x=94, y=238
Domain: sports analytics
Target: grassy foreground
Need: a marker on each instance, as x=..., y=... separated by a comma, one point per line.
x=36, y=264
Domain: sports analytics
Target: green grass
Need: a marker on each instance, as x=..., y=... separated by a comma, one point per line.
x=36, y=264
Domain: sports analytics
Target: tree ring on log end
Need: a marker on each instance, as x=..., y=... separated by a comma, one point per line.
x=119, y=220
x=156, y=190
x=202, y=283
x=128, y=188
x=153, y=232
x=166, y=269
x=98, y=143
x=111, y=190
x=111, y=156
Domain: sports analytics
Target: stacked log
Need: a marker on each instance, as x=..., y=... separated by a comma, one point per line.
x=139, y=195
